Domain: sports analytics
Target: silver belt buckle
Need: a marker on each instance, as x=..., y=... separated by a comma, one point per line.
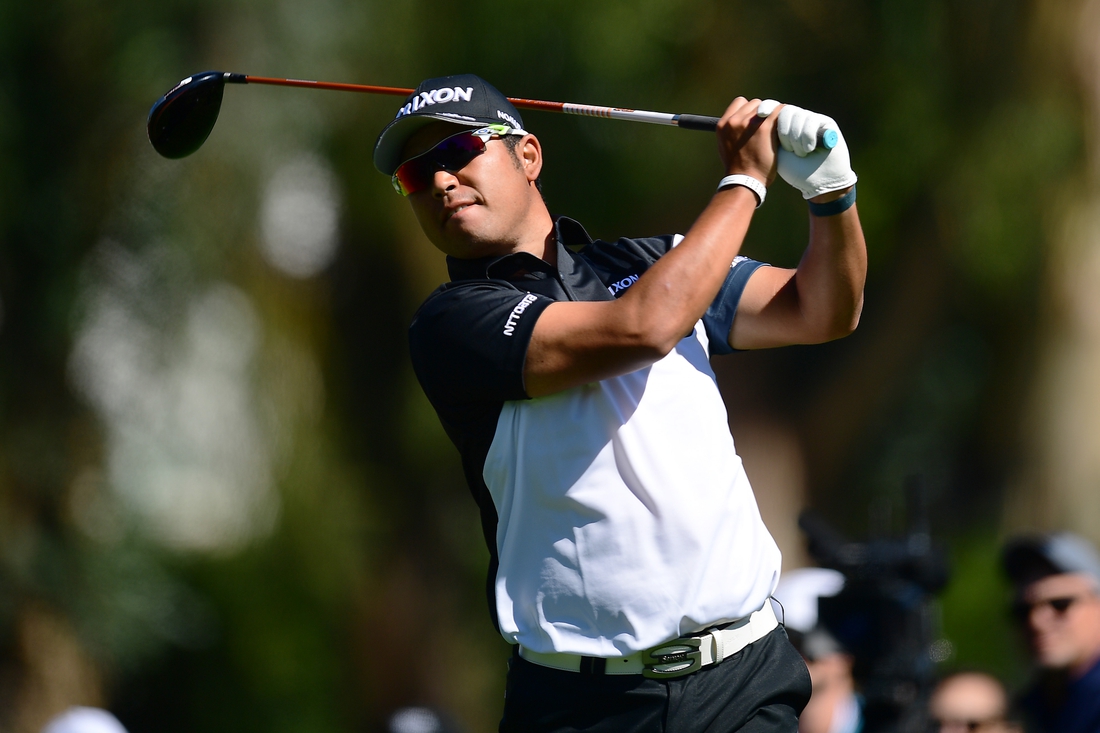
x=674, y=659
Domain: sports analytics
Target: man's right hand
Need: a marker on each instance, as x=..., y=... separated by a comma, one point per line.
x=747, y=143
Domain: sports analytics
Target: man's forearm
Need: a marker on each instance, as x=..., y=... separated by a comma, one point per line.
x=678, y=289
x=832, y=273
x=819, y=301
x=576, y=343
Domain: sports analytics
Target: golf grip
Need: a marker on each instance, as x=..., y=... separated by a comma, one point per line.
x=697, y=122
x=826, y=138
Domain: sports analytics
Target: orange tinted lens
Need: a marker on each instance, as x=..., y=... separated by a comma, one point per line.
x=451, y=154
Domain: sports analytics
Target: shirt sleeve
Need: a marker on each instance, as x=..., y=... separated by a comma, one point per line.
x=468, y=342
x=718, y=320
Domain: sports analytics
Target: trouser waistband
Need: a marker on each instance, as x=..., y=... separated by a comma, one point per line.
x=673, y=658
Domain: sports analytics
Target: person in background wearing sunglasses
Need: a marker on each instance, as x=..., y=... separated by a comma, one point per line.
x=970, y=702
x=1057, y=604
x=629, y=566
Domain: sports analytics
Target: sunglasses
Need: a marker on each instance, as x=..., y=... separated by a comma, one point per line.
x=451, y=154
x=1021, y=611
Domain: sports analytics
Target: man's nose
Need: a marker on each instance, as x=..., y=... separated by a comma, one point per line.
x=442, y=181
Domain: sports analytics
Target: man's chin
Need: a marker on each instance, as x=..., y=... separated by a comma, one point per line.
x=1049, y=658
x=466, y=244
x=464, y=218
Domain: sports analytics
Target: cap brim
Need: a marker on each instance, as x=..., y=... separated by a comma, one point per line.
x=388, y=149
x=1026, y=560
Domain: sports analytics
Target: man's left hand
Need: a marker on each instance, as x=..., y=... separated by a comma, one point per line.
x=811, y=169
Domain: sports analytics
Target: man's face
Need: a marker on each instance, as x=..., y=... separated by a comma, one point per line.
x=829, y=670
x=969, y=702
x=1061, y=618
x=482, y=208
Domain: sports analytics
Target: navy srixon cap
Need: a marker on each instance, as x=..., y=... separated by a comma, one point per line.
x=1033, y=557
x=464, y=99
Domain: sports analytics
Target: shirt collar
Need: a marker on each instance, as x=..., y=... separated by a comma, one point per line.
x=569, y=233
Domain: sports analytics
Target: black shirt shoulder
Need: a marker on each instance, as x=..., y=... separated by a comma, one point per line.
x=468, y=340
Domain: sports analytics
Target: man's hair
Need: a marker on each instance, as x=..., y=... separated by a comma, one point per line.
x=511, y=142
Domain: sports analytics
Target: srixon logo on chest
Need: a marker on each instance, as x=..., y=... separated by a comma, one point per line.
x=437, y=96
x=617, y=287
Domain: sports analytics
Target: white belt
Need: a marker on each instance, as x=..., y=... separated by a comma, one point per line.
x=673, y=658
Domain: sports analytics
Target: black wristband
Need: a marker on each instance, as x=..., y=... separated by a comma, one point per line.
x=833, y=208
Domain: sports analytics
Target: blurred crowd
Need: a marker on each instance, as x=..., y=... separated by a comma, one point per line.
x=1056, y=607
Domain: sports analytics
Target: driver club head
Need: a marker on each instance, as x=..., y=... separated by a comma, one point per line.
x=182, y=119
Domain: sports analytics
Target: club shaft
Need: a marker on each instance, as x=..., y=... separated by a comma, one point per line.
x=690, y=122
x=332, y=85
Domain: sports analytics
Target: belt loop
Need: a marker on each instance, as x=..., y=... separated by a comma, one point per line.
x=593, y=665
x=718, y=656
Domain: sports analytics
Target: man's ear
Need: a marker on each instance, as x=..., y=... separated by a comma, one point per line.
x=530, y=155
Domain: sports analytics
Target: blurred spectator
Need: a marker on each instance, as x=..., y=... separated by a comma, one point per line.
x=1057, y=581
x=834, y=706
x=970, y=702
x=84, y=720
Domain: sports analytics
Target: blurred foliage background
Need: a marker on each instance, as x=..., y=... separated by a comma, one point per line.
x=225, y=504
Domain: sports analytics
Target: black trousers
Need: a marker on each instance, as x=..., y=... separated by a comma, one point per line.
x=761, y=689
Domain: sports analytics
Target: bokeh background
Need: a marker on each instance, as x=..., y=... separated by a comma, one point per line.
x=225, y=504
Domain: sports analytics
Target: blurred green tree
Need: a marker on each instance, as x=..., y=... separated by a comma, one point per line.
x=224, y=503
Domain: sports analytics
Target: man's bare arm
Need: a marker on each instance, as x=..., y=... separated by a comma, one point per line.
x=820, y=301
x=577, y=343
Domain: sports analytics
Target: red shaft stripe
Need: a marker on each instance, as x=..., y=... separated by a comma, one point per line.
x=537, y=104
x=588, y=110
x=397, y=91
x=335, y=86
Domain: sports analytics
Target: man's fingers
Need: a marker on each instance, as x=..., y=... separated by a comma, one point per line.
x=798, y=129
x=745, y=140
x=732, y=109
x=783, y=127
x=740, y=118
x=804, y=132
x=766, y=108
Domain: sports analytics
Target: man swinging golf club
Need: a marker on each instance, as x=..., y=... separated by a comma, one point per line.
x=629, y=565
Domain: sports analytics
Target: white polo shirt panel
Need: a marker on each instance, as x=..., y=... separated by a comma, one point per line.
x=624, y=514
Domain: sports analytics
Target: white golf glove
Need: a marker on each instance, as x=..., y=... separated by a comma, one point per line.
x=810, y=169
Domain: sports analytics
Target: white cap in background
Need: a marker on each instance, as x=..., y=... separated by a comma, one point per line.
x=84, y=720
x=797, y=595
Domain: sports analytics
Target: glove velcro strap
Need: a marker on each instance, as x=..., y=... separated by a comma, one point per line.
x=833, y=208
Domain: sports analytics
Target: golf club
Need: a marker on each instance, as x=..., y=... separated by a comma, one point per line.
x=182, y=119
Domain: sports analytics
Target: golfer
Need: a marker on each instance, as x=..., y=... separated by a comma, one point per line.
x=629, y=565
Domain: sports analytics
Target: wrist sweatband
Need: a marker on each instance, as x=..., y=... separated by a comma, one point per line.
x=834, y=207
x=748, y=182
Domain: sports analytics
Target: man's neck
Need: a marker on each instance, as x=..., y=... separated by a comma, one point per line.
x=543, y=242
x=1085, y=666
x=820, y=712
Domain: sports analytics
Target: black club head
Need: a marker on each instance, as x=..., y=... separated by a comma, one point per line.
x=182, y=119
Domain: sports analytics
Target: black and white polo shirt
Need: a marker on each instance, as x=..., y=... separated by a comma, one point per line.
x=617, y=514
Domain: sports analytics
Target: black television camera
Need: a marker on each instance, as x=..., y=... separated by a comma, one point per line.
x=886, y=616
